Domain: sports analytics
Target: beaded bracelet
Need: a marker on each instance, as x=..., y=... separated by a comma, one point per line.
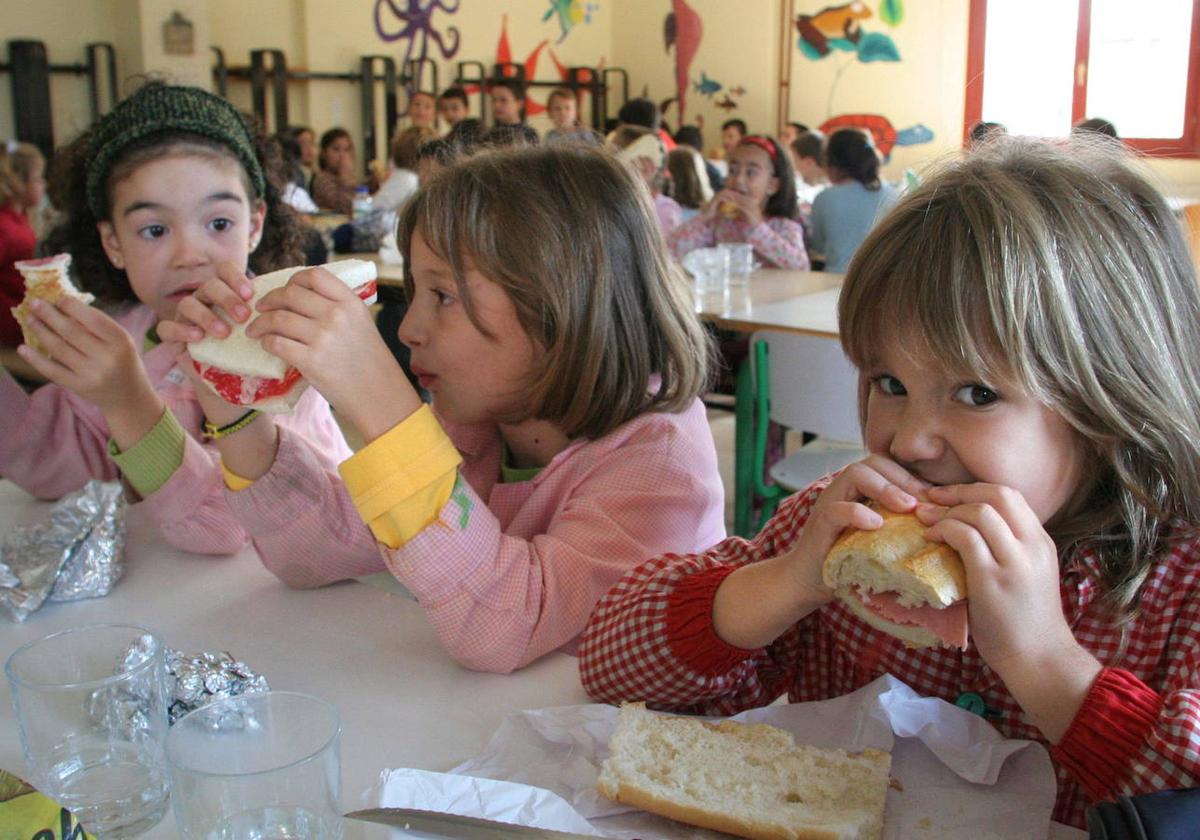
x=212, y=432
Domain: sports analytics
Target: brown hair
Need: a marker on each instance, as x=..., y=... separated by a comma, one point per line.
x=77, y=233
x=1058, y=267
x=406, y=143
x=15, y=168
x=686, y=169
x=579, y=252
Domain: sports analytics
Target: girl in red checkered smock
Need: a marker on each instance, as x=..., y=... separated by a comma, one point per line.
x=1027, y=327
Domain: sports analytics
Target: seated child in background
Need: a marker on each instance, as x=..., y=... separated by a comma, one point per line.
x=402, y=182
x=689, y=184
x=689, y=135
x=1024, y=327
x=151, y=211
x=22, y=186
x=508, y=115
x=453, y=107
x=807, y=152
x=563, y=108
x=641, y=150
x=844, y=213
x=337, y=180
x=757, y=205
x=792, y=132
x=422, y=110
x=566, y=443
x=732, y=133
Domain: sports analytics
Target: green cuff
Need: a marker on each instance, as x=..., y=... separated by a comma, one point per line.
x=152, y=460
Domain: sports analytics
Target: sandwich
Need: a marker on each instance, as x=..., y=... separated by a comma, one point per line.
x=241, y=372
x=729, y=210
x=899, y=582
x=751, y=780
x=46, y=279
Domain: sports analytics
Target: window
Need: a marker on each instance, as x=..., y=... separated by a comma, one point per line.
x=1039, y=66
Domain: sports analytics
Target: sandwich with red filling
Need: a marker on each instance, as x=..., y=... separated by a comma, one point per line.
x=237, y=367
x=899, y=582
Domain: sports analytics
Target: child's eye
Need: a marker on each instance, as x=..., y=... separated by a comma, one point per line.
x=221, y=225
x=890, y=385
x=152, y=231
x=443, y=298
x=976, y=395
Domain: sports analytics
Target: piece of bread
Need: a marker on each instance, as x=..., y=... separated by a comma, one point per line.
x=751, y=780
x=896, y=558
x=729, y=210
x=242, y=355
x=46, y=279
x=647, y=146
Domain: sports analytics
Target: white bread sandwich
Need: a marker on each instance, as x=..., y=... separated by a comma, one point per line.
x=46, y=279
x=237, y=367
x=899, y=582
x=751, y=780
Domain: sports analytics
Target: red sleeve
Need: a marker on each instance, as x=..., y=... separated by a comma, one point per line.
x=1109, y=730
x=690, y=632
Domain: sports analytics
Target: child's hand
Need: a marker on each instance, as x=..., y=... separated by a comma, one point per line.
x=321, y=327
x=1012, y=571
x=842, y=506
x=196, y=316
x=747, y=207
x=87, y=352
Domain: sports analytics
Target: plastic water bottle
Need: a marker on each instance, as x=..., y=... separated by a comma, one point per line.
x=362, y=203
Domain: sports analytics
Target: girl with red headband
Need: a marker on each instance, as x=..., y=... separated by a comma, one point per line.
x=757, y=205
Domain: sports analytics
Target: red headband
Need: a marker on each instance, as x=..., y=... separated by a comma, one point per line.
x=762, y=143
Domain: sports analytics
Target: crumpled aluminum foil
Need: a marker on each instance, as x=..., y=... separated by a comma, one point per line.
x=79, y=552
x=193, y=680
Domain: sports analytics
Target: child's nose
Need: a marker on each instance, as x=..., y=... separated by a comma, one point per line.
x=916, y=438
x=409, y=332
x=188, y=249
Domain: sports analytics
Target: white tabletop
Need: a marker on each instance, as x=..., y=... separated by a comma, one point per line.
x=403, y=702
x=794, y=301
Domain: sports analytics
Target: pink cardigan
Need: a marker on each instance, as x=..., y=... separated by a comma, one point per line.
x=52, y=442
x=509, y=572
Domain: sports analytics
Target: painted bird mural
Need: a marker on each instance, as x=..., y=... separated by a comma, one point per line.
x=832, y=23
x=683, y=30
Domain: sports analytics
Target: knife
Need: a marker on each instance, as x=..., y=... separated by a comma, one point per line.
x=466, y=828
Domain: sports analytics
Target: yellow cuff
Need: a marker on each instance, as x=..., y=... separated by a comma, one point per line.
x=234, y=481
x=401, y=480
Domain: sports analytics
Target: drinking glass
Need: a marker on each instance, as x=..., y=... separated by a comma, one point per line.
x=741, y=262
x=709, y=268
x=257, y=767
x=91, y=707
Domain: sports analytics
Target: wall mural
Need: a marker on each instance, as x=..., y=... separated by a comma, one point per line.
x=412, y=21
x=839, y=30
x=569, y=13
x=683, y=30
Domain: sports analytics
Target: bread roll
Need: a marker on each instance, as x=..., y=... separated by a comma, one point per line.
x=46, y=279
x=751, y=780
x=896, y=558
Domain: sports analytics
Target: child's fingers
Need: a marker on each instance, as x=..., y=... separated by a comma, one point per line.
x=46, y=366
x=323, y=283
x=865, y=480
x=297, y=298
x=193, y=310
x=235, y=279
x=283, y=323
x=295, y=353
x=1009, y=504
x=99, y=324
x=179, y=331
x=64, y=338
x=218, y=293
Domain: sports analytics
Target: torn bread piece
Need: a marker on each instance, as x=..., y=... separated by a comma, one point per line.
x=47, y=279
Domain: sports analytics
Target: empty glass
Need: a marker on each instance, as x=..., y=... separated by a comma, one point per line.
x=741, y=262
x=709, y=267
x=257, y=767
x=92, y=712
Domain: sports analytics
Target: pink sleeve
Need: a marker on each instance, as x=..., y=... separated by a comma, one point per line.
x=780, y=242
x=51, y=441
x=695, y=233
x=498, y=602
x=651, y=637
x=302, y=521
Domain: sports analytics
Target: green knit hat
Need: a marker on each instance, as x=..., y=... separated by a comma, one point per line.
x=157, y=109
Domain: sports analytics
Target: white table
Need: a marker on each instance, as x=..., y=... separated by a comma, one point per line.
x=403, y=702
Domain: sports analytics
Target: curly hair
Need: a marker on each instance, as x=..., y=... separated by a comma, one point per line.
x=77, y=232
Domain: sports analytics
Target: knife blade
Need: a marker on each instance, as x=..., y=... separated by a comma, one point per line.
x=465, y=828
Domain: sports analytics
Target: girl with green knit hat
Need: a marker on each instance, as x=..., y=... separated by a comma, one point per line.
x=170, y=189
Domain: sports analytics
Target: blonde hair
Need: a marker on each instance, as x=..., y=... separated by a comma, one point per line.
x=406, y=143
x=577, y=248
x=17, y=162
x=1056, y=266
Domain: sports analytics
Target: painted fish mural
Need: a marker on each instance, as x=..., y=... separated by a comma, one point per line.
x=706, y=86
x=832, y=23
x=726, y=104
x=570, y=13
x=683, y=30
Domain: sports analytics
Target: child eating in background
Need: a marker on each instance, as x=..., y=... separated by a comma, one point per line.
x=22, y=186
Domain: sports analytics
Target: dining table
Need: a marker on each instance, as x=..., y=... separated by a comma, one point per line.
x=364, y=647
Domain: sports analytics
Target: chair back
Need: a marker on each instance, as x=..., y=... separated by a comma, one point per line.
x=813, y=387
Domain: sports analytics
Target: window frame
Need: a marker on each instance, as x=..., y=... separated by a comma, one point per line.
x=1186, y=146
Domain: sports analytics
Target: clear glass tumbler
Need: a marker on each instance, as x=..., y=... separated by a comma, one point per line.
x=741, y=262
x=91, y=706
x=257, y=767
x=709, y=268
